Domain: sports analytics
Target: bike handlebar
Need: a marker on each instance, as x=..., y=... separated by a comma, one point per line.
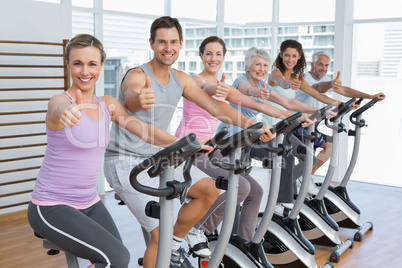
x=343, y=109
x=362, y=110
x=321, y=113
x=172, y=155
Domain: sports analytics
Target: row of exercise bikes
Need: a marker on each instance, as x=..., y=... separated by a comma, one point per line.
x=283, y=239
x=286, y=240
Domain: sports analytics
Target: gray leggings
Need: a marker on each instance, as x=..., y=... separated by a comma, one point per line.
x=250, y=192
x=89, y=233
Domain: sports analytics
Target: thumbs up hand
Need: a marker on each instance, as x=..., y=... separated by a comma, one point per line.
x=337, y=82
x=222, y=89
x=72, y=114
x=147, y=95
x=264, y=93
x=296, y=83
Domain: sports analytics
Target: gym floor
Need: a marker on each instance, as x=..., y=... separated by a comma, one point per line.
x=379, y=248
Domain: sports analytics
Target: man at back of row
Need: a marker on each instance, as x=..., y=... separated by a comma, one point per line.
x=317, y=78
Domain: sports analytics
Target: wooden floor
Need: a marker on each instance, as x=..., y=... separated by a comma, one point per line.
x=380, y=248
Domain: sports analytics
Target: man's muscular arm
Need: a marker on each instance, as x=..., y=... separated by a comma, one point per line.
x=137, y=93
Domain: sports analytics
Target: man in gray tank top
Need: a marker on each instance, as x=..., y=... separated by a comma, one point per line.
x=151, y=93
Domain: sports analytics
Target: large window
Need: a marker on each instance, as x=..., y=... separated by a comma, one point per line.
x=374, y=64
x=241, y=12
x=126, y=36
x=83, y=22
x=306, y=10
x=156, y=8
x=378, y=68
x=201, y=10
x=83, y=3
x=374, y=9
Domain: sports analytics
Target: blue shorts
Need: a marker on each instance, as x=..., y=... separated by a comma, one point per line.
x=317, y=144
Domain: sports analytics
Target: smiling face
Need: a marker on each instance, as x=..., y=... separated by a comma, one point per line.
x=85, y=66
x=290, y=57
x=320, y=68
x=258, y=69
x=166, y=46
x=213, y=57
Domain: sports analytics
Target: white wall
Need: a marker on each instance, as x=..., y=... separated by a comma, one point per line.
x=34, y=21
x=27, y=20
